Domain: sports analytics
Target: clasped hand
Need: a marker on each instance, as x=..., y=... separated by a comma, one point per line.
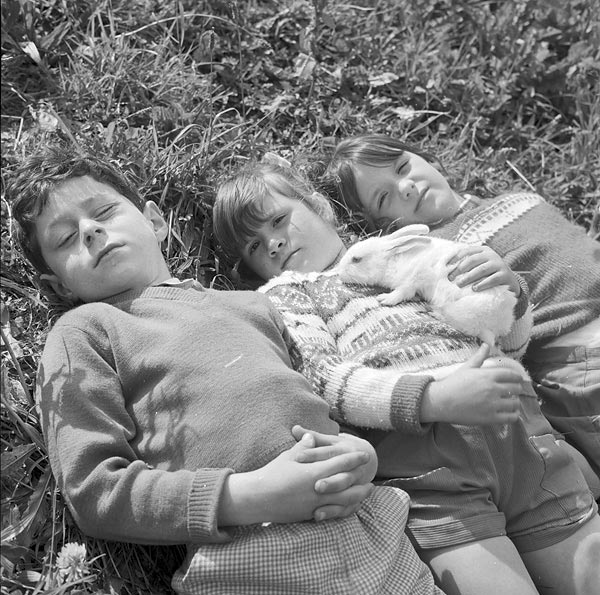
x=321, y=477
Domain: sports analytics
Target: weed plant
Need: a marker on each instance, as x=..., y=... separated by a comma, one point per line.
x=180, y=93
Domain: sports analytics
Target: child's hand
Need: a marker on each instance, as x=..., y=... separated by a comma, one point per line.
x=328, y=447
x=474, y=395
x=482, y=268
x=283, y=491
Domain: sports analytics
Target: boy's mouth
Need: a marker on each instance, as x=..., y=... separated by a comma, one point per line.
x=106, y=250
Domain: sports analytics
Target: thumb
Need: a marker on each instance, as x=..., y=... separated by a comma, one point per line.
x=476, y=361
x=304, y=440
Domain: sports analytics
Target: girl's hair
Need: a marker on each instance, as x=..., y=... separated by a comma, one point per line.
x=375, y=150
x=239, y=209
x=36, y=178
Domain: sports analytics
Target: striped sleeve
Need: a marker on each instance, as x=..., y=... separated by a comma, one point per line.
x=357, y=395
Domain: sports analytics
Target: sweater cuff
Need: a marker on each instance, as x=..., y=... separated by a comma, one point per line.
x=203, y=505
x=523, y=300
x=406, y=404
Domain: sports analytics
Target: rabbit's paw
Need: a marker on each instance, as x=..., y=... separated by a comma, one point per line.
x=393, y=298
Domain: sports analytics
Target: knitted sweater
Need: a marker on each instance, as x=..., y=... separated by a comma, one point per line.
x=560, y=263
x=148, y=403
x=372, y=363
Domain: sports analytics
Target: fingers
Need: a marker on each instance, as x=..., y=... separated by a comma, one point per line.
x=462, y=254
x=319, y=439
x=476, y=360
x=343, y=463
x=321, y=453
x=343, y=503
x=305, y=441
x=335, y=483
x=508, y=409
x=481, y=277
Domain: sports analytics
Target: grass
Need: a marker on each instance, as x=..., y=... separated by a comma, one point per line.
x=507, y=94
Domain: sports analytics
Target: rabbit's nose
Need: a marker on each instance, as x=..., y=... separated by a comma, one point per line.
x=408, y=189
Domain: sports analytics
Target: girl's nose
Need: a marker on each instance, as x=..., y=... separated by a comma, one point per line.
x=275, y=245
x=91, y=231
x=408, y=189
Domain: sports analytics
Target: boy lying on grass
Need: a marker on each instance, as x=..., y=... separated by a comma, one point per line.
x=154, y=397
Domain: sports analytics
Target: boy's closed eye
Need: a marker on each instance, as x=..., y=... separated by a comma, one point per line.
x=106, y=211
x=66, y=239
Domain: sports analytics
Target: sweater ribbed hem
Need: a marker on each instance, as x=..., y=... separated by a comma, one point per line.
x=203, y=504
x=405, y=408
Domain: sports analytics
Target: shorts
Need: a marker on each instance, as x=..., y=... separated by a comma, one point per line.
x=567, y=380
x=365, y=553
x=488, y=481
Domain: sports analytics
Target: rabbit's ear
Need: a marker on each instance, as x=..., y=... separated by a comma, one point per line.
x=415, y=229
x=404, y=244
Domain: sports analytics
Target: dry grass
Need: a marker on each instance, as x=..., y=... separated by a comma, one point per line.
x=180, y=93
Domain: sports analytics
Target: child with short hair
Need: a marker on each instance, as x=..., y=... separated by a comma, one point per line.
x=497, y=504
x=154, y=395
x=393, y=184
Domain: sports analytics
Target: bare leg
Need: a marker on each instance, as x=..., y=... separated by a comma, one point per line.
x=480, y=567
x=571, y=567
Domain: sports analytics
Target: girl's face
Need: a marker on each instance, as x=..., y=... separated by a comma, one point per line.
x=408, y=190
x=293, y=238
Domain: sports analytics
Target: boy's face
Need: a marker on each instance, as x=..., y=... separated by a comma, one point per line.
x=408, y=190
x=97, y=243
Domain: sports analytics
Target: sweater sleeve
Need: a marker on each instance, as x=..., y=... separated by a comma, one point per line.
x=357, y=395
x=110, y=492
x=515, y=342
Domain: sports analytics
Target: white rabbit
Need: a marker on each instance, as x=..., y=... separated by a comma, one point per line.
x=410, y=263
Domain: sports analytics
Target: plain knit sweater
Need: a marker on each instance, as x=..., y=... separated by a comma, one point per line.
x=149, y=401
x=559, y=262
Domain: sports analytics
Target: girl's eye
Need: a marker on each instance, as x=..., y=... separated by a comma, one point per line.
x=253, y=246
x=401, y=166
x=278, y=220
x=381, y=200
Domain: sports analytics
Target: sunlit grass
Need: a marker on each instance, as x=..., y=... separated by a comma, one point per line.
x=507, y=94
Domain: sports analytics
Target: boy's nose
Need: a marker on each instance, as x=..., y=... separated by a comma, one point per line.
x=275, y=245
x=91, y=231
x=408, y=189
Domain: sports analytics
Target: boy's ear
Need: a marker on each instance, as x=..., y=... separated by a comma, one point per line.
x=59, y=288
x=153, y=214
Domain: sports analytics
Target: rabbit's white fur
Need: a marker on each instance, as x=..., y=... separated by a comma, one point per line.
x=409, y=262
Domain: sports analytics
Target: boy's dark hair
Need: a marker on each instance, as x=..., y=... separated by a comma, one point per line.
x=376, y=150
x=38, y=175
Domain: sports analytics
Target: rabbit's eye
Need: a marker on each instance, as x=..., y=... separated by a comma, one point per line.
x=356, y=259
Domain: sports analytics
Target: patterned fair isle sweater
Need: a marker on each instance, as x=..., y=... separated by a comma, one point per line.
x=148, y=403
x=559, y=262
x=372, y=363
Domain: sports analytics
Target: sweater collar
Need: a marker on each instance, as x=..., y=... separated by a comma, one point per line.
x=167, y=289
